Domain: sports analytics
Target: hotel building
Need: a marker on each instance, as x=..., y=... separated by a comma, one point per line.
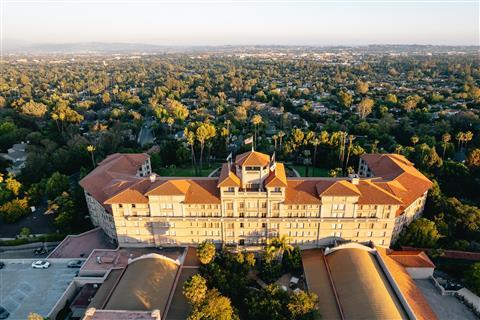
x=253, y=200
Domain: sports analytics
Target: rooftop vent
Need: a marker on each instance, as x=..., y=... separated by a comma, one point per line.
x=153, y=176
x=354, y=178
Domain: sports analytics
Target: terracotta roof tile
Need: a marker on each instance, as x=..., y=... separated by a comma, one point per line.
x=412, y=259
x=277, y=178
x=372, y=194
x=168, y=187
x=337, y=188
x=252, y=158
x=228, y=178
x=301, y=191
x=203, y=191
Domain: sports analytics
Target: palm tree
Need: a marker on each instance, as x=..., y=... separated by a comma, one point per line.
x=349, y=149
x=275, y=138
x=414, y=140
x=256, y=120
x=281, y=134
x=190, y=137
x=468, y=137
x=315, y=143
x=91, y=149
x=446, y=137
x=460, y=137
x=277, y=246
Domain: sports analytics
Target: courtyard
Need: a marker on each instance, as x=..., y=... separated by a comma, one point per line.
x=24, y=289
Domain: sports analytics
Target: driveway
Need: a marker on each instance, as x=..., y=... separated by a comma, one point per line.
x=24, y=290
x=445, y=307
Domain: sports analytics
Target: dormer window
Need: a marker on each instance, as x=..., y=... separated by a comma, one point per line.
x=277, y=189
x=253, y=168
x=230, y=189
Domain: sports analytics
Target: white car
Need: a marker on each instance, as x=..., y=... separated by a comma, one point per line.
x=40, y=264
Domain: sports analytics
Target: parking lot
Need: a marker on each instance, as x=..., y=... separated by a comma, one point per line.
x=24, y=289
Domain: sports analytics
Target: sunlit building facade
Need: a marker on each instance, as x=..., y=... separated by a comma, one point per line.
x=253, y=200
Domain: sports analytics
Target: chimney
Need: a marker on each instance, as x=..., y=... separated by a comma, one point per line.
x=354, y=178
x=153, y=176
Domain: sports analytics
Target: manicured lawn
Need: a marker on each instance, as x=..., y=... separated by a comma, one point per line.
x=312, y=172
x=183, y=172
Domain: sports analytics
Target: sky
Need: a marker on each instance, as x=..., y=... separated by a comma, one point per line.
x=237, y=22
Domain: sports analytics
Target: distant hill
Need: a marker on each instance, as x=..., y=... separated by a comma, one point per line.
x=24, y=47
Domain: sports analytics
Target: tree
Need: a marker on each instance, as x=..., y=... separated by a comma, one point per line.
x=13, y=185
x=106, y=98
x=213, y=307
x=34, y=109
x=206, y=252
x=56, y=185
x=361, y=87
x=195, y=289
x=34, y=316
x=25, y=232
x=473, y=278
x=204, y=132
x=421, y=233
x=365, y=107
x=190, y=137
x=302, y=305
x=473, y=159
x=14, y=210
x=414, y=140
x=91, y=149
x=391, y=99
x=256, y=120
x=345, y=98
x=446, y=137
x=411, y=102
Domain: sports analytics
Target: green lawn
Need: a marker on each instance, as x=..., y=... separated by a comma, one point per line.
x=184, y=172
x=312, y=172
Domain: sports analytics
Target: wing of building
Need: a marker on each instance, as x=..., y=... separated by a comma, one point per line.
x=253, y=200
x=354, y=281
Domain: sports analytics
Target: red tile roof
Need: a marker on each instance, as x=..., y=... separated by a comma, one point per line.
x=300, y=191
x=252, y=158
x=412, y=259
x=227, y=177
x=277, y=178
x=114, y=174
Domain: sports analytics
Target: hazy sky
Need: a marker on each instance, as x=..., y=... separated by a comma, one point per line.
x=196, y=22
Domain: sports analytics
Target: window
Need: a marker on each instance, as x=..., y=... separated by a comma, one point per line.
x=264, y=204
x=264, y=225
x=230, y=206
x=241, y=224
x=230, y=189
x=120, y=205
x=134, y=205
x=277, y=189
x=242, y=214
x=242, y=205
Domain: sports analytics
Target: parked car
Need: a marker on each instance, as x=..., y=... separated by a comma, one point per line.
x=40, y=251
x=75, y=264
x=2, y=265
x=4, y=314
x=40, y=264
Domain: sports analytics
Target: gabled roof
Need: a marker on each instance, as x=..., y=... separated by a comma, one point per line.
x=113, y=175
x=397, y=176
x=252, y=158
x=203, y=191
x=227, y=177
x=412, y=259
x=300, y=191
x=277, y=178
x=372, y=194
x=168, y=187
x=332, y=188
